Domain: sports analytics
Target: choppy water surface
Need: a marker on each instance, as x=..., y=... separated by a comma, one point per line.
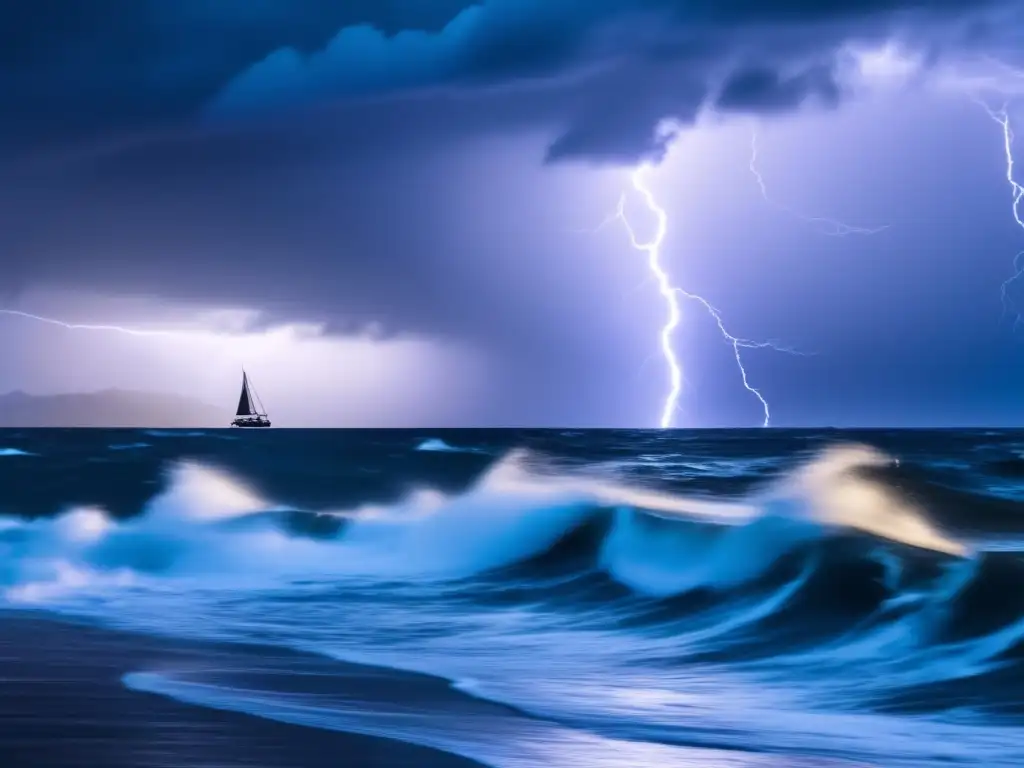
x=741, y=598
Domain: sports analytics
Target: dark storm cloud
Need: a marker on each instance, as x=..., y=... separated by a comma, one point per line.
x=668, y=59
x=767, y=90
x=340, y=212
x=315, y=220
x=89, y=66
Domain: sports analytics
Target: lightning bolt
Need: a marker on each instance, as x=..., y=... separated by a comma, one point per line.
x=665, y=288
x=671, y=294
x=826, y=226
x=87, y=326
x=1002, y=117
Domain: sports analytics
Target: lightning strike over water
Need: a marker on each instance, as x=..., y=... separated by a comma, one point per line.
x=670, y=294
x=830, y=227
x=1002, y=117
x=88, y=326
x=665, y=288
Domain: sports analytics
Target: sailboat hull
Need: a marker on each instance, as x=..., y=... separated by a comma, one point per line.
x=251, y=422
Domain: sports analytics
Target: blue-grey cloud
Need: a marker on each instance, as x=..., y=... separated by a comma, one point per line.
x=379, y=78
x=628, y=64
x=766, y=90
x=210, y=210
x=92, y=66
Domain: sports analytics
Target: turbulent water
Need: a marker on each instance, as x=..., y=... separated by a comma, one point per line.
x=631, y=598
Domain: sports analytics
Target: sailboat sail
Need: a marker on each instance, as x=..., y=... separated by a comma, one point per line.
x=244, y=401
x=250, y=411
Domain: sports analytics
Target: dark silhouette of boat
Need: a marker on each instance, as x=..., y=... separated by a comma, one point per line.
x=247, y=414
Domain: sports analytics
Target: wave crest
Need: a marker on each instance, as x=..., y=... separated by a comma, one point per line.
x=207, y=522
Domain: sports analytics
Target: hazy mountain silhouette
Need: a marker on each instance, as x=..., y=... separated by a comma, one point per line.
x=109, y=408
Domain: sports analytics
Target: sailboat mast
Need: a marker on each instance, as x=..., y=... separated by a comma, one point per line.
x=254, y=396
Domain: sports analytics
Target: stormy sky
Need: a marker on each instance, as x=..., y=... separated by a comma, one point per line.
x=397, y=212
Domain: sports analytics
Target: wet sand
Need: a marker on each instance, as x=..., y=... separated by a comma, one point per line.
x=63, y=705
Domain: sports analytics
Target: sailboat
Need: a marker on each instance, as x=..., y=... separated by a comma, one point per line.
x=247, y=415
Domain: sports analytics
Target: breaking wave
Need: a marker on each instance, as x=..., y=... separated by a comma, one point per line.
x=835, y=586
x=209, y=523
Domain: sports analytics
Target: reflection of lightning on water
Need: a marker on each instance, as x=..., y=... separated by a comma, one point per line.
x=670, y=294
x=827, y=226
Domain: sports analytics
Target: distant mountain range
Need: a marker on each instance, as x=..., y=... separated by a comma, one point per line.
x=108, y=408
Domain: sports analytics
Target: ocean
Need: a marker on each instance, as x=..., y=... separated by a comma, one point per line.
x=513, y=598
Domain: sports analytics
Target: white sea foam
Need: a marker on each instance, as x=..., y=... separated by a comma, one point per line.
x=208, y=523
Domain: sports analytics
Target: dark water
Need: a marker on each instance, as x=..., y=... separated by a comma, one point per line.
x=638, y=598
